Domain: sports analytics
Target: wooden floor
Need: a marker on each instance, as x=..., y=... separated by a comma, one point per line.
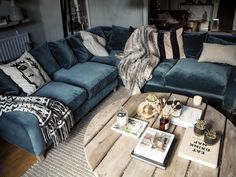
x=13, y=160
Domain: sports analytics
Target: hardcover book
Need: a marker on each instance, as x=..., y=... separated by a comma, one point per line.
x=154, y=147
x=133, y=128
x=194, y=148
x=188, y=117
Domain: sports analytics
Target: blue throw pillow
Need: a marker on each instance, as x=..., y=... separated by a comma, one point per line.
x=193, y=43
x=63, y=53
x=80, y=51
x=118, y=38
x=8, y=86
x=44, y=56
x=131, y=30
x=98, y=31
x=224, y=40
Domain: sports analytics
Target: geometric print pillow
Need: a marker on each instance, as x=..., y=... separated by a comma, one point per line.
x=26, y=73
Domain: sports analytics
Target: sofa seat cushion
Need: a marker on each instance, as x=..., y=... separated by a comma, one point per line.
x=206, y=77
x=92, y=76
x=159, y=73
x=109, y=60
x=70, y=95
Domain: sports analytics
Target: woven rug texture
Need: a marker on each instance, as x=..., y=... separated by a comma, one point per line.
x=68, y=159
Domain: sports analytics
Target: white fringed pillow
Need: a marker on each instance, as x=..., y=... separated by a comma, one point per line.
x=26, y=73
x=94, y=43
x=218, y=53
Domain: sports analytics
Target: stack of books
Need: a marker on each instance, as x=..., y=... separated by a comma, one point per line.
x=194, y=148
x=188, y=117
x=154, y=147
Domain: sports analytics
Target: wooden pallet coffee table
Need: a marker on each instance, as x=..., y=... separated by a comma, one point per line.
x=108, y=152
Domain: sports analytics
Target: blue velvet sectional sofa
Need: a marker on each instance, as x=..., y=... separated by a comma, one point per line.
x=81, y=80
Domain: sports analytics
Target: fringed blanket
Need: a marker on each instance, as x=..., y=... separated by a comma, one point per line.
x=55, y=119
x=141, y=55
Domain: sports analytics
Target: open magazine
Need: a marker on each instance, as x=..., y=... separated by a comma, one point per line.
x=133, y=128
x=154, y=147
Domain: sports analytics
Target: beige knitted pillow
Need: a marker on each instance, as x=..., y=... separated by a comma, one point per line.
x=217, y=53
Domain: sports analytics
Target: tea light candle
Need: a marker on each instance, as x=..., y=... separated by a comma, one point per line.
x=197, y=100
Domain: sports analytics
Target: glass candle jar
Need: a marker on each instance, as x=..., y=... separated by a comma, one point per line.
x=122, y=116
x=164, y=123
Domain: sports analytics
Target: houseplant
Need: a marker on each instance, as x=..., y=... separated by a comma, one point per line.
x=199, y=127
x=210, y=137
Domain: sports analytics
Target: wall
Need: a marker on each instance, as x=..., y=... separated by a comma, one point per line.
x=118, y=12
x=52, y=20
x=35, y=28
x=46, y=21
x=234, y=24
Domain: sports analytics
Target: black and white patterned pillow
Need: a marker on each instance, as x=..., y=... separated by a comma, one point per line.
x=26, y=72
x=170, y=44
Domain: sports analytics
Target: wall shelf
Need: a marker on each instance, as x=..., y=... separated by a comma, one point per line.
x=13, y=24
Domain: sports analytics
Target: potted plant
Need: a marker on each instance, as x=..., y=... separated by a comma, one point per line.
x=210, y=137
x=199, y=127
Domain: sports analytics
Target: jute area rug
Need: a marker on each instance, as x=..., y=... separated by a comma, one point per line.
x=68, y=159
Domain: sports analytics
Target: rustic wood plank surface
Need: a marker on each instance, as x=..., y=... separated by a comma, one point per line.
x=180, y=165
x=116, y=160
x=144, y=169
x=99, y=121
x=108, y=152
x=228, y=168
x=119, y=153
x=217, y=121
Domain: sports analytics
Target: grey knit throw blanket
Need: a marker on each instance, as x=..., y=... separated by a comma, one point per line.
x=55, y=119
x=140, y=56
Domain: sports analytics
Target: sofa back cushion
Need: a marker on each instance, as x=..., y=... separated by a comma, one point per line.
x=63, y=53
x=80, y=51
x=118, y=38
x=7, y=86
x=98, y=30
x=44, y=56
x=193, y=43
x=225, y=39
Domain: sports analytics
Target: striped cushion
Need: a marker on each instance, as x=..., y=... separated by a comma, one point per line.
x=171, y=44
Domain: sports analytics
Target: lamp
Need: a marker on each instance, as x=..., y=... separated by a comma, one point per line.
x=15, y=12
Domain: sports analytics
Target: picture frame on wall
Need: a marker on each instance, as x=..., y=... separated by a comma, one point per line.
x=215, y=24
